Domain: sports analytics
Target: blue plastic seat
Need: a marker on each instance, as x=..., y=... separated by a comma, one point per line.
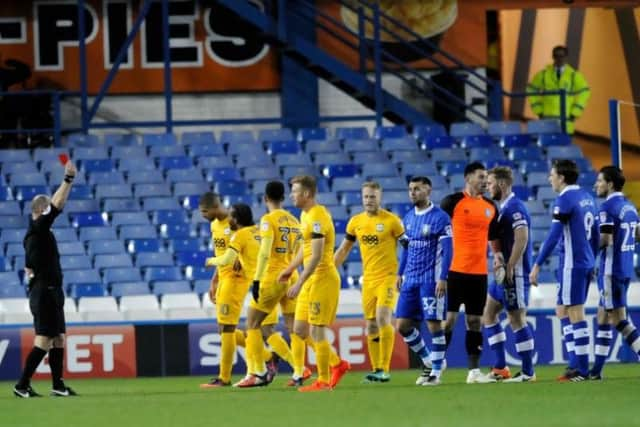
x=81, y=192
x=193, y=272
x=190, y=244
x=163, y=151
x=518, y=154
x=427, y=169
x=502, y=128
x=198, y=138
x=71, y=248
x=170, y=216
x=112, y=261
x=400, y=209
x=214, y=162
x=222, y=174
x=177, y=162
x=104, y=191
x=97, y=233
x=482, y=154
x=81, y=276
x=311, y=134
x=113, y=177
x=171, y=287
x=283, y=147
x=477, y=141
x=5, y=193
x=228, y=137
x=255, y=158
x=452, y=167
x=129, y=288
x=289, y=172
x=121, y=274
x=12, y=291
x=513, y=141
x=564, y=152
x=201, y=286
x=340, y=170
x=587, y=179
x=365, y=157
x=341, y=184
x=87, y=205
x=27, y=178
x=14, y=249
x=47, y=155
x=384, y=132
x=456, y=181
x=360, y=132
x=15, y=155
x=130, y=151
x=232, y=199
x=584, y=164
x=154, y=274
x=438, y=141
x=441, y=155
x=88, y=153
x=339, y=211
x=97, y=165
x=268, y=135
x=528, y=166
x=175, y=231
x=348, y=198
x=87, y=219
x=292, y=160
x=522, y=192
x=460, y=130
x=554, y=139
x=230, y=187
x=79, y=290
x=193, y=258
x=536, y=179
x=154, y=259
x=120, y=139
x=392, y=183
x=154, y=139
x=546, y=194
x=129, y=218
x=120, y=205
x=423, y=131
x=377, y=170
x=28, y=192
x=399, y=157
x=135, y=246
x=81, y=139
x=322, y=146
x=100, y=247
x=360, y=145
x=181, y=189
x=13, y=221
x=399, y=144
x=536, y=127
x=136, y=164
x=152, y=190
x=242, y=148
x=13, y=235
x=268, y=173
x=190, y=202
x=184, y=175
x=128, y=232
x=157, y=203
x=145, y=177
x=66, y=234
x=209, y=149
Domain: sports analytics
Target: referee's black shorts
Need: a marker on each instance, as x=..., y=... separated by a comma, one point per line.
x=467, y=289
x=47, y=306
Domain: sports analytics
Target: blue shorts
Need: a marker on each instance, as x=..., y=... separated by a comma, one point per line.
x=613, y=292
x=574, y=285
x=513, y=297
x=419, y=302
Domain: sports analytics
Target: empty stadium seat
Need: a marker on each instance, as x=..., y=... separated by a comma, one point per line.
x=87, y=219
x=143, y=245
x=535, y=127
x=384, y=132
x=27, y=177
x=141, y=307
x=476, y=141
x=184, y=305
x=311, y=134
x=90, y=153
x=193, y=272
x=482, y=154
x=121, y=289
x=175, y=162
x=283, y=147
x=462, y=129
x=75, y=261
x=15, y=155
x=153, y=190
x=111, y=177
x=97, y=165
x=98, y=247
x=554, y=139
x=104, y=191
x=230, y=187
x=62, y=234
x=359, y=145
x=222, y=174
x=214, y=162
x=103, y=261
x=336, y=170
x=440, y=141
x=129, y=218
x=184, y=245
x=121, y=274
x=512, y=141
x=154, y=139
x=79, y=290
x=13, y=221
x=131, y=152
x=158, y=203
x=198, y=138
x=362, y=158
x=154, y=274
x=97, y=233
x=128, y=232
x=129, y=164
x=28, y=192
x=377, y=170
x=120, y=205
x=99, y=309
x=321, y=146
x=502, y=128
x=166, y=151
x=564, y=152
x=81, y=276
x=154, y=259
x=199, y=150
x=16, y=310
x=423, y=131
x=352, y=133
x=195, y=258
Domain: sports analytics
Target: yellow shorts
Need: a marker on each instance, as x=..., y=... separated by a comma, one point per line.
x=230, y=297
x=273, y=294
x=318, y=299
x=379, y=293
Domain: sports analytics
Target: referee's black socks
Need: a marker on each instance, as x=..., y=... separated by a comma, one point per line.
x=473, y=343
x=56, y=355
x=31, y=364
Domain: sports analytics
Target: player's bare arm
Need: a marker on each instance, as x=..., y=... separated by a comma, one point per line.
x=317, y=247
x=342, y=252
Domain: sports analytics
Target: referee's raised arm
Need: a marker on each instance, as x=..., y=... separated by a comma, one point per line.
x=61, y=195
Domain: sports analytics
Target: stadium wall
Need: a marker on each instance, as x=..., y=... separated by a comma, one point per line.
x=193, y=348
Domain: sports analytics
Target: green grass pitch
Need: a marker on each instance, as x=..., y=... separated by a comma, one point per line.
x=178, y=401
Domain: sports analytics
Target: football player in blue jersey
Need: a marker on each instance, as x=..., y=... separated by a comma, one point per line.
x=512, y=293
x=575, y=225
x=423, y=278
x=618, y=220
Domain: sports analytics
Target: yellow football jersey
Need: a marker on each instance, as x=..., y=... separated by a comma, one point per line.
x=377, y=236
x=318, y=221
x=246, y=242
x=221, y=234
x=285, y=233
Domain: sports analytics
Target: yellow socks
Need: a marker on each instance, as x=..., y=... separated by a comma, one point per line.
x=373, y=345
x=323, y=349
x=280, y=346
x=387, y=338
x=240, y=338
x=255, y=354
x=298, y=348
x=228, y=351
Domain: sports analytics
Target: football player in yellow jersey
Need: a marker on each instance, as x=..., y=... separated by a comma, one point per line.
x=279, y=241
x=377, y=232
x=317, y=287
x=222, y=292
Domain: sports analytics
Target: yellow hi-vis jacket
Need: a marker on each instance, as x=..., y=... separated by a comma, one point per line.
x=548, y=106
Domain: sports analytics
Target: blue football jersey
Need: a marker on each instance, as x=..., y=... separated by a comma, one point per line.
x=514, y=214
x=576, y=210
x=425, y=231
x=619, y=218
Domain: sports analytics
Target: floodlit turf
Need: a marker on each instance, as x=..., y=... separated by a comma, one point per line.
x=179, y=402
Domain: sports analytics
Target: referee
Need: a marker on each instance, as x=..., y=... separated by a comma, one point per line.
x=46, y=297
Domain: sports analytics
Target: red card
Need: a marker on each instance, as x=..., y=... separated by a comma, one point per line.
x=63, y=159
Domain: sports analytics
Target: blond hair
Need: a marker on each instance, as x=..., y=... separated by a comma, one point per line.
x=307, y=182
x=502, y=173
x=374, y=185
